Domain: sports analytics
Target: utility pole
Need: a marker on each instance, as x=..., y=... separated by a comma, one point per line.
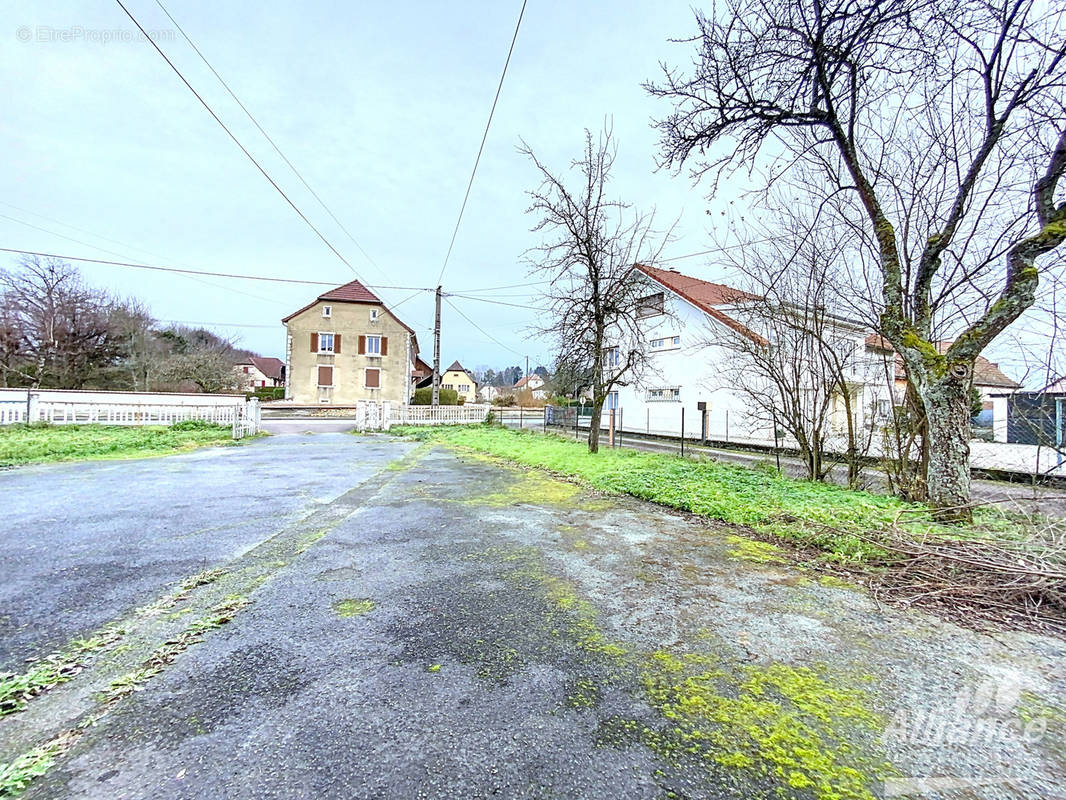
x=436, y=353
x=527, y=370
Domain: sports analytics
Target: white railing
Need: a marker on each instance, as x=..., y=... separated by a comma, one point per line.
x=127, y=409
x=439, y=415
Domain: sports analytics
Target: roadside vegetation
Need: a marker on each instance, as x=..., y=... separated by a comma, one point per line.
x=33, y=444
x=1005, y=565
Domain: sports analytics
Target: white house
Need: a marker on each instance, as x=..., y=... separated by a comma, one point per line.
x=534, y=384
x=690, y=326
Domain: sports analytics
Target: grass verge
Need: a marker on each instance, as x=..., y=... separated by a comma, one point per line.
x=34, y=444
x=1005, y=566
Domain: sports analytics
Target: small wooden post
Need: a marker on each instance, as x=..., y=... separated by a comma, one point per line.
x=682, y=431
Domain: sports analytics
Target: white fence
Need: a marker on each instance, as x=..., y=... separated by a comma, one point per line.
x=128, y=408
x=439, y=415
x=373, y=416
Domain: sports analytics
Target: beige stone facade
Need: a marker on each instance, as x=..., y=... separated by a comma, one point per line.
x=340, y=351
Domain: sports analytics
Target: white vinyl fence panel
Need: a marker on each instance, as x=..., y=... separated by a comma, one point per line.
x=439, y=415
x=128, y=408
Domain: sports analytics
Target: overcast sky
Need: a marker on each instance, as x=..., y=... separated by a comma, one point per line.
x=380, y=107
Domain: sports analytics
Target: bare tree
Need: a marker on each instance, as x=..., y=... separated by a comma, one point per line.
x=943, y=122
x=800, y=360
x=56, y=331
x=593, y=298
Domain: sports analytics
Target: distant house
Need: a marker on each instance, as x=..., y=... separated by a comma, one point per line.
x=347, y=346
x=256, y=371
x=989, y=380
x=691, y=329
x=486, y=394
x=461, y=380
x=534, y=384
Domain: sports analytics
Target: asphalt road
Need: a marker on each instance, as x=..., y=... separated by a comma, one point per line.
x=420, y=624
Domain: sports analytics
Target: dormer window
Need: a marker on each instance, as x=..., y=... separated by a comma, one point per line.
x=327, y=312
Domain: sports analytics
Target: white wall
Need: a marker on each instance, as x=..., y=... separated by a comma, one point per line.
x=697, y=367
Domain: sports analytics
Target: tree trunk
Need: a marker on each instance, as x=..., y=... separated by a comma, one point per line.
x=594, y=425
x=947, y=419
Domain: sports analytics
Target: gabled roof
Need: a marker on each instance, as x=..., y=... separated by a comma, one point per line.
x=422, y=368
x=271, y=367
x=705, y=296
x=985, y=372
x=456, y=367
x=353, y=292
x=526, y=380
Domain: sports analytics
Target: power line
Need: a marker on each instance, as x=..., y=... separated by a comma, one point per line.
x=487, y=300
x=267, y=136
x=179, y=270
x=499, y=288
x=236, y=141
x=155, y=268
x=484, y=136
x=719, y=249
x=483, y=331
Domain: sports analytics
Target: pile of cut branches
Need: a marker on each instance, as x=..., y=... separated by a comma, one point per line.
x=1020, y=582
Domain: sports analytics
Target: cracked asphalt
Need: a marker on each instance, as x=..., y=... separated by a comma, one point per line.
x=467, y=629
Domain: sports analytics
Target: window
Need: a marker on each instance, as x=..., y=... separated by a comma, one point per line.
x=373, y=345
x=884, y=409
x=650, y=306
x=665, y=343
x=372, y=378
x=244, y=370
x=612, y=357
x=464, y=387
x=449, y=386
x=325, y=343
x=325, y=376
x=668, y=394
x=612, y=401
x=327, y=311
x=373, y=315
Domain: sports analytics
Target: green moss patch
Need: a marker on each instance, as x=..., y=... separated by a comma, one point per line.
x=352, y=607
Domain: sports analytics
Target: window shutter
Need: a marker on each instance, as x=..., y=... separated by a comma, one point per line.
x=384, y=345
x=336, y=343
x=362, y=345
x=314, y=342
x=325, y=376
x=373, y=378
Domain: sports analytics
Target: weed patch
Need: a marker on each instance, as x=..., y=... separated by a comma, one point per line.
x=28, y=444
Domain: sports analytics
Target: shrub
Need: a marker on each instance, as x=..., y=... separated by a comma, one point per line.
x=266, y=393
x=193, y=425
x=424, y=397
x=504, y=400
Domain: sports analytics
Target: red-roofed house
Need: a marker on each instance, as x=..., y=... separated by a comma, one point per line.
x=346, y=346
x=257, y=371
x=691, y=326
x=534, y=384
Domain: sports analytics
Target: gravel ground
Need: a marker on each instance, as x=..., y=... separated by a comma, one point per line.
x=466, y=629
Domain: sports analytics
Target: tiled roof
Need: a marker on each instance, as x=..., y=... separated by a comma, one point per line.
x=455, y=367
x=705, y=296
x=271, y=367
x=353, y=292
x=703, y=293
x=985, y=372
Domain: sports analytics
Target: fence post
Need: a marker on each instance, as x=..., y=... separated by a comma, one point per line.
x=621, y=417
x=610, y=428
x=682, y=431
